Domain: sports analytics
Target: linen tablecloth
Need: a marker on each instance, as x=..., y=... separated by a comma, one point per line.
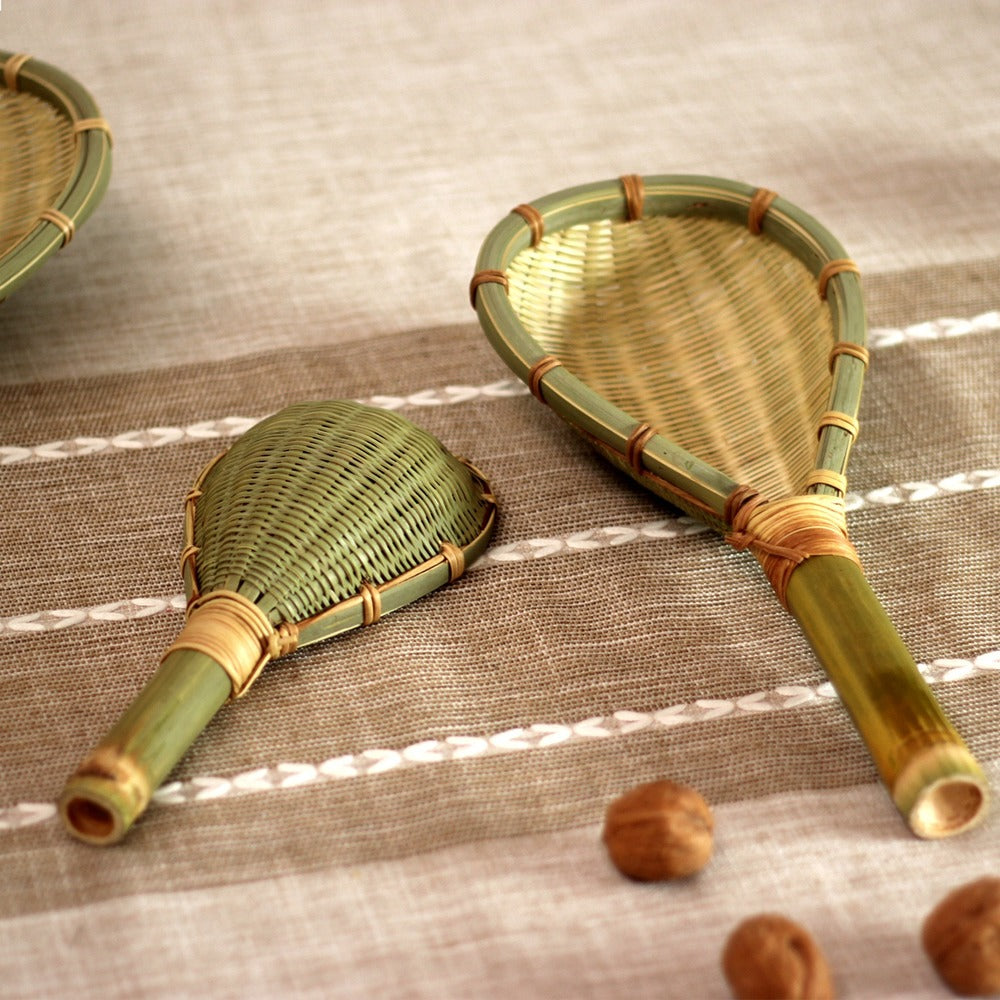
x=414, y=810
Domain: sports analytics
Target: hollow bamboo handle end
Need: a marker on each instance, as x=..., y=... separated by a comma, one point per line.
x=113, y=786
x=941, y=791
x=104, y=797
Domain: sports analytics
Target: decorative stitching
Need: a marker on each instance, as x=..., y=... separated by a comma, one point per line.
x=523, y=550
x=536, y=736
x=233, y=426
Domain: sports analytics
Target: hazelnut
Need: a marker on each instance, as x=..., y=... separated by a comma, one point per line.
x=770, y=956
x=961, y=936
x=659, y=831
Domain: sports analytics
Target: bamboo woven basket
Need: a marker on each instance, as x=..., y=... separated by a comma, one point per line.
x=708, y=338
x=321, y=519
x=55, y=164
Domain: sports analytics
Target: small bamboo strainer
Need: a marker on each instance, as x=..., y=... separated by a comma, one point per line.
x=55, y=163
x=708, y=338
x=321, y=518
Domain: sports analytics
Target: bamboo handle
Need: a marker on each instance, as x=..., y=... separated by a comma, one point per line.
x=934, y=780
x=115, y=782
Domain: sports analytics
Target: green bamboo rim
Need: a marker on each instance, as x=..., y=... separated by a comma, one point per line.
x=89, y=178
x=672, y=194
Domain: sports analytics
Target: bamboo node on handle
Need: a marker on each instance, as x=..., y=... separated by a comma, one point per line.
x=782, y=534
x=236, y=634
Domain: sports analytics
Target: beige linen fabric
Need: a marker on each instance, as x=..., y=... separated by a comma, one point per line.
x=414, y=810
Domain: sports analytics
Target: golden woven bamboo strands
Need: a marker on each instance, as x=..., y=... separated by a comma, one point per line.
x=701, y=418
x=793, y=331
x=758, y=445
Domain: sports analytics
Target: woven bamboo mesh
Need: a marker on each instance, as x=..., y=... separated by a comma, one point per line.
x=321, y=498
x=37, y=156
x=746, y=335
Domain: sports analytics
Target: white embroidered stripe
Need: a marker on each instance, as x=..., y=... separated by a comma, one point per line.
x=524, y=550
x=233, y=426
x=537, y=736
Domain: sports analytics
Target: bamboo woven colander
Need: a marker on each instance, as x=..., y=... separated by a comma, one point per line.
x=55, y=164
x=322, y=518
x=708, y=338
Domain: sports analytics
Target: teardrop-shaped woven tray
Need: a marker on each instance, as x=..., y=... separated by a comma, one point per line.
x=55, y=164
x=708, y=338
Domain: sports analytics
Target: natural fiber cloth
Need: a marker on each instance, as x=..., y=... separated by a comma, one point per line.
x=414, y=810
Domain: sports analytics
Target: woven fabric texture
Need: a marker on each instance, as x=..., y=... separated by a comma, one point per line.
x=414, y=810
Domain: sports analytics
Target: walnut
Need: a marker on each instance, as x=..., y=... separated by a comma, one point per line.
x=770, y=956
x=961, y=936
x=659, y=831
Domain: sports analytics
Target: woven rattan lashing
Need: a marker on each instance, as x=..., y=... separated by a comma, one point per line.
x=55, y=163
x=708, y=337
